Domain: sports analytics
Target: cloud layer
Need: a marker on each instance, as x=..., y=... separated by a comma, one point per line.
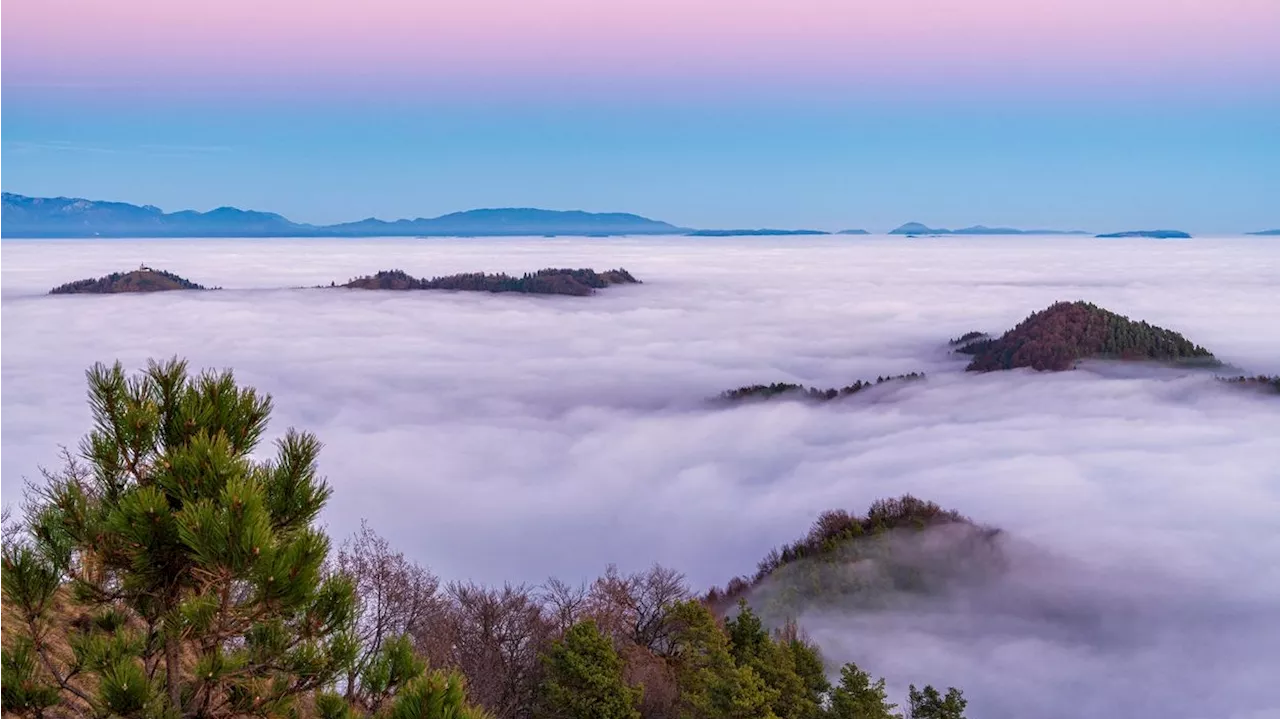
x=498, y=437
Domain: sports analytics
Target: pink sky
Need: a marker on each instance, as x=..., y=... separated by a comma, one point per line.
x=1077, y=42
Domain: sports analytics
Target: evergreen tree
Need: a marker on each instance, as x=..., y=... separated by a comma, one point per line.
x=196, y=568
x=774, y=662
x=928, y=703
x=857, y=697
x=584, y=678
x=711, y=685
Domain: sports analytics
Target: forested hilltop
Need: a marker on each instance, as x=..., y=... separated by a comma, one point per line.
x=1058, y=337
x=143, y=279
x=165, y=571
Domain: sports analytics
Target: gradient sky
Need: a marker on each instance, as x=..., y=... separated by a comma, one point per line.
x=1099, y=114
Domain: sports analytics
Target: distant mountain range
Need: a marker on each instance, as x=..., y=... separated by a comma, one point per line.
x=915, y=228
x=1153, y=234
x=25, y=216
x=1267, y=233
x=73, y=217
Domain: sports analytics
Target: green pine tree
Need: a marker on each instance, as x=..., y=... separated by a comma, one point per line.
x=196, y=569
x=929, y=703
x=711, y=685
x=584, y=678
x=857, y=697
x=774, y=662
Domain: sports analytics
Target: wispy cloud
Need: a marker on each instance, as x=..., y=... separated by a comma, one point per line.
x=28, y=147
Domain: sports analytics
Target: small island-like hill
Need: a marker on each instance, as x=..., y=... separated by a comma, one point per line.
x=853, y=232
x=1265, y=233
x=916, y=228
x=1153, y=234
x=761, y=232
x=551, y=281
x=1058, y=337
x=143, y=279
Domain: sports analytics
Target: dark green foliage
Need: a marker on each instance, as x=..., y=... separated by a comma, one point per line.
x=858, y=697
x=798, y=391
x=584, y=678
x=928, y=703
x=22, y=691
x=579, y=282
x=711, y=685
x=1264, y=382
x=1057, y=337
x=198, y=565
x=436, y=695
x=774, y=661
x=140, y=280
x=967, y=338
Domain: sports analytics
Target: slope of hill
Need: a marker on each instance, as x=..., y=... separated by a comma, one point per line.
x=848, y=561
x=1265, y=233
x=1057, y=337
x=143, y=279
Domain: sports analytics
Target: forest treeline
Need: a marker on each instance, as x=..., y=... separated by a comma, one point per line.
x=166, y=572
x=799, y=391
x=550, y=281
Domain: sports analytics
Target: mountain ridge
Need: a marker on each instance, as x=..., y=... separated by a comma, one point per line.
x=35, y=217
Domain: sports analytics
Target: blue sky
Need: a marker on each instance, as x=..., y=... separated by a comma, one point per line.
x=723, y=162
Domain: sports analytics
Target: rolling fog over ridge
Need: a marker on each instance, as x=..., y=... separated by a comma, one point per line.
x=518, y=437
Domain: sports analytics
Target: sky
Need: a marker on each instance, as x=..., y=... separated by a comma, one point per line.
x=1091, y=114
x=496, y=437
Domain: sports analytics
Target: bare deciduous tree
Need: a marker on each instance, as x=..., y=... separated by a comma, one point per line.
x=635, y=606
x=394, y=596
x=498, y=636
x=565, y=604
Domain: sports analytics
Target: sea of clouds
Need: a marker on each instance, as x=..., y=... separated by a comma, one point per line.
x=498, y=437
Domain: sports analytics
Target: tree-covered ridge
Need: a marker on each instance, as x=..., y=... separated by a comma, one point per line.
x=143, y=279
x=799, y=391
x=1057, y=337
x=838, y=537
x=550, y=281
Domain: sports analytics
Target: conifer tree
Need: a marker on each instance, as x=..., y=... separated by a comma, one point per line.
x=857, y=697
x=194, y=569
x=929, y=703
x=711, y=685
x=584, y=678
x=774, y=662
